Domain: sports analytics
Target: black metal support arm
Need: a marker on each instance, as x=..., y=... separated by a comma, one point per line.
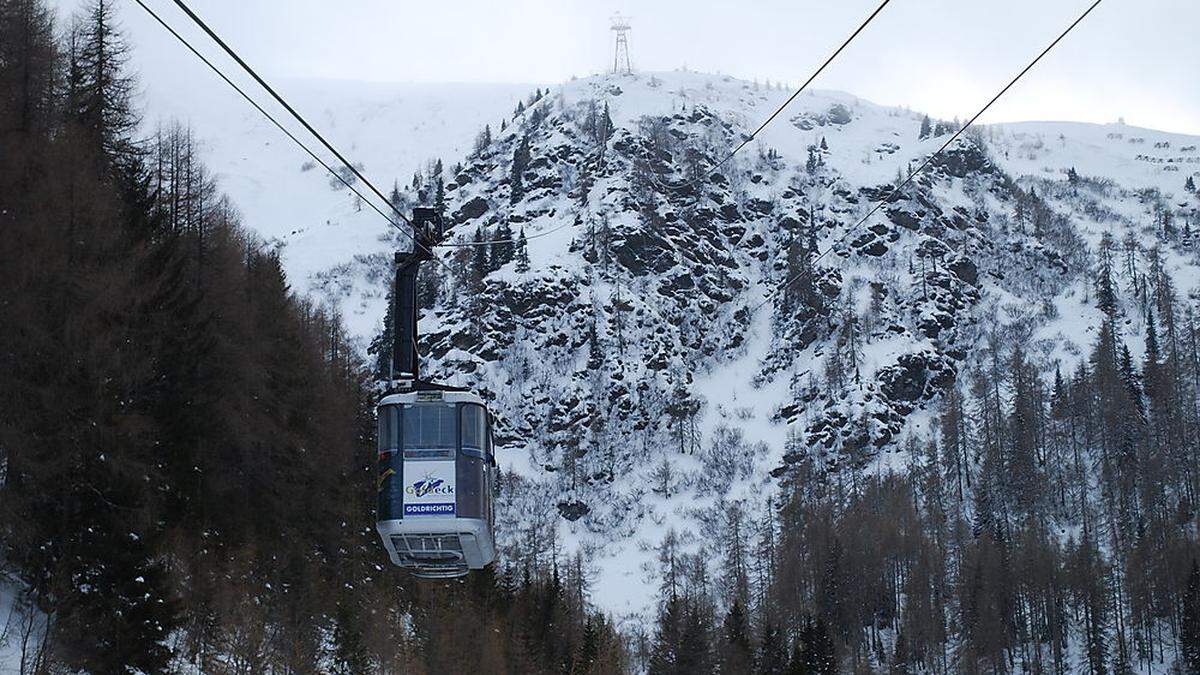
x=427, y=230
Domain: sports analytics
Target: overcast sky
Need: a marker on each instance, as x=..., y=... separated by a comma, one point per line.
x=1137, y=59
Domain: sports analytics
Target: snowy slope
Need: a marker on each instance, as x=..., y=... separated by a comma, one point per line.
x=668, y=305
x=393, y=129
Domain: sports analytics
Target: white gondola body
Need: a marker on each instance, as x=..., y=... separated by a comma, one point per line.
x=436, y=482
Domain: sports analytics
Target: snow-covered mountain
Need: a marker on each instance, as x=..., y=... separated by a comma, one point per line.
x=650, y=366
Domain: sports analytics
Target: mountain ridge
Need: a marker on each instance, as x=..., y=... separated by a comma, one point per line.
x=672, y=254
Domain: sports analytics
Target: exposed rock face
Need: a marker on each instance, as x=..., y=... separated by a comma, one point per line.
x=668, y=297
x=471, y=210
x=591, y=356
x=915, y=378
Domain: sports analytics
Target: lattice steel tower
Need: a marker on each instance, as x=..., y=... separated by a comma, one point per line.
x=620, y=26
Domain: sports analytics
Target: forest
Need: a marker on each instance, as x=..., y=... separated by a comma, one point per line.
x=1049, y=527
x=187, y=452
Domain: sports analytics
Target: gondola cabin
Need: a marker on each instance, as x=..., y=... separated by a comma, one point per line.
x=436, y=469
x=436, y=476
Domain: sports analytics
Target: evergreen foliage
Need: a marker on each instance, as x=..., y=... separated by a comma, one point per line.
x=520, y=162
x=522, y=253
x=186, y=482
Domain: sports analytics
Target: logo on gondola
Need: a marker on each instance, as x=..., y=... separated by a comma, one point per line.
x=430, y=485
x=433, y=493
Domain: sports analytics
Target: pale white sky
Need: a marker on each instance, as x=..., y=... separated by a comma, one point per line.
x=1139, y=59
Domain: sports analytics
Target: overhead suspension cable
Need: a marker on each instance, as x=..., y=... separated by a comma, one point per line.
x=300, y=118
x=287, y=106
x=271, y=118
x=488, y=242
x=746, y=141
x=929, y=159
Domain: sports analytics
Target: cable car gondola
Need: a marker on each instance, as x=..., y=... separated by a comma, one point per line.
x=436, y=464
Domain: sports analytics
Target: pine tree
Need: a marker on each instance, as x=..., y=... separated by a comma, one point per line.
x=520, y=161
x=395, y=197
x=666, y=656
x=522, y=253
x=953, y=427
x=481, y=263
x=606, y=126
x=100, y=91
x=695, y=655
x=27, y=66
x=589, y=649
x=504, y=246
x=1024, y=455
x=429, y=285
x=595, y=359
x=985, y=505
x=1106, y=294
x=734, y=653
x=483, y=140
x=1095, y=605
x=381, y=345
x=351, y=655
x=926, y=128
x=819, y=656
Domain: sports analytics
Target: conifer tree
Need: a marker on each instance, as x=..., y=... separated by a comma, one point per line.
x=28, y=56
x=772, y=656
x=819, y=653
x=926, y=128
x=481, y=263
x=522, y=253
x=504, y=246
x=606, y=126
x=1106, y=294
x=520, y=161
x=381, y=344
x=953, y=427
x=595, y=359
x=735, y=653
x=1024, y=455
x=666, y=656
x=483, y=140
x=100, y=89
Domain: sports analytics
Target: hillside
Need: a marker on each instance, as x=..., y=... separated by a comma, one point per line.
x=960, y=437
x=391, y=129
x=636, y=337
